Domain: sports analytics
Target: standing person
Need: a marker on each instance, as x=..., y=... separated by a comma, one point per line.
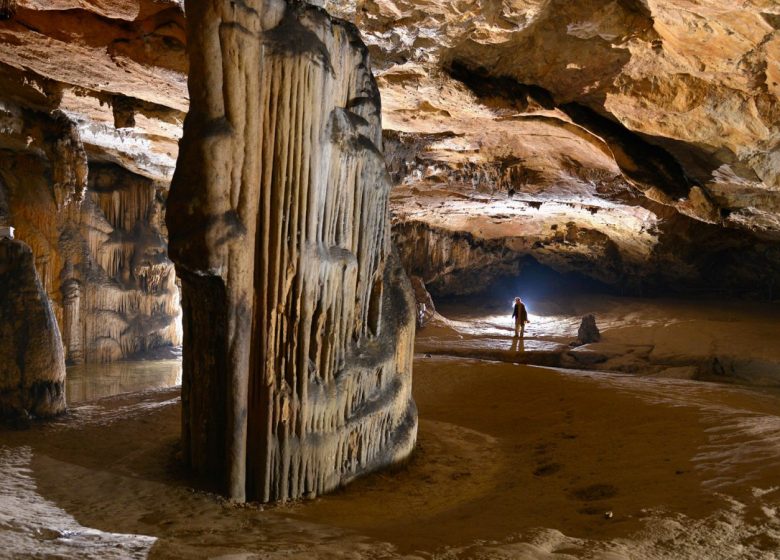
x=520, y=315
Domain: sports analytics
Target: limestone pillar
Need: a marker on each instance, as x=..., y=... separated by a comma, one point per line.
x=71, y=320
x=298, y=320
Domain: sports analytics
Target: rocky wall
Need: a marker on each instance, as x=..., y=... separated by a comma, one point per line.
x=102, y=260
x=633, y=142
x=89, y=119
x=298, y=319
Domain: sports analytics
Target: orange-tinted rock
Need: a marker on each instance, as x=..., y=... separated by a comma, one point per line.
x=634, y=142
x=92, y=96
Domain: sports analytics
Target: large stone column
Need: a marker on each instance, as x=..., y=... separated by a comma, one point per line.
x=298, y=320
x=32, y=361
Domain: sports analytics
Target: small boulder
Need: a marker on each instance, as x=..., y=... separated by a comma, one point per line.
x=588, y=331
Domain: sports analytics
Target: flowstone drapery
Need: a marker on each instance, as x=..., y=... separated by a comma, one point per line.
x=298, y=320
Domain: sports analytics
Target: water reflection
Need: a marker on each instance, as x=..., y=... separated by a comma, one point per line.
x=88, y=382
x=518, y=344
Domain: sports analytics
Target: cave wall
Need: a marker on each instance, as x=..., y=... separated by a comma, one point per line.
x=633, y=142
x=299, y=321
x=90, y=115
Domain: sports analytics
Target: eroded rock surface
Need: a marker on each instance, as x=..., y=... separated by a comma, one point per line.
x=32, y=362
x=92, y=97
x=634, y=142
x=299, y=321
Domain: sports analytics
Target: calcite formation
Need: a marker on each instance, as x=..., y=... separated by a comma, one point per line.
x=32, y=363
x=298, y=319
x=633, y=142
x=92, y=96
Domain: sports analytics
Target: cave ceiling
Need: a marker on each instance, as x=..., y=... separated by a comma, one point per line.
x=616, y=138
x=628, y=140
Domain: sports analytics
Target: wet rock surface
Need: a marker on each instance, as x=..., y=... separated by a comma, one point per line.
x=32, y=362
x=512, y=462
x=711, y=340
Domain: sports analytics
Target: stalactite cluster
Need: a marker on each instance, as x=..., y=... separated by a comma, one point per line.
x=92, y=95
x=98, y=237
x=298, y=320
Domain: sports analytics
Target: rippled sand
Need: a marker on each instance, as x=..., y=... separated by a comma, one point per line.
x=513, y=462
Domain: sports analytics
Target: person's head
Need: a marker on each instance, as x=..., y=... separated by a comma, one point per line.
x=518, y=300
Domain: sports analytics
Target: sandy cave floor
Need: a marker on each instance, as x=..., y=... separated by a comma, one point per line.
x=721, y=340
x=513, y=462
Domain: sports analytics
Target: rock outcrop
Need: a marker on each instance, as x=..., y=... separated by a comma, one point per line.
x=92, y=96
x=298, y=319
x=32, y=363
x=633, y=142
x=588, y=332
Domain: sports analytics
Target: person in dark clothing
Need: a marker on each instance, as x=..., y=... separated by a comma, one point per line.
x=520, y=315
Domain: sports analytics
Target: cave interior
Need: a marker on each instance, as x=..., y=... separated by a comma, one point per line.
x=258, y=262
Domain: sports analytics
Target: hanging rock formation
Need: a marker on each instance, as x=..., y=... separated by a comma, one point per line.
x=32, y=363
x=298, y=319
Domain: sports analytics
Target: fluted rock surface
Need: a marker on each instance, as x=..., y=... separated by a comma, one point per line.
x=298, y=320
x=92, y=95
x=32, y=363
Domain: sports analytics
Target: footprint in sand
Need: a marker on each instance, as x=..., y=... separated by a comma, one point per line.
x=594, y=492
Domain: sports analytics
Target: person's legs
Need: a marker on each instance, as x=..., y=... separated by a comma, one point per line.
x=518, y=326
x=522, y=329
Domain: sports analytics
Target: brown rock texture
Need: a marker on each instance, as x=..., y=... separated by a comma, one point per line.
x=32, y=362
x=92, y=97
x=299, y=321
x=635, y=142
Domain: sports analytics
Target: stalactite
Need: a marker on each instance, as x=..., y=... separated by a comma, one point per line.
x=298, y=319
x=69, y=161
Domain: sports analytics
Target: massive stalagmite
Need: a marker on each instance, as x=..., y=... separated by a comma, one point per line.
x=298, y=320
x=32, y=362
